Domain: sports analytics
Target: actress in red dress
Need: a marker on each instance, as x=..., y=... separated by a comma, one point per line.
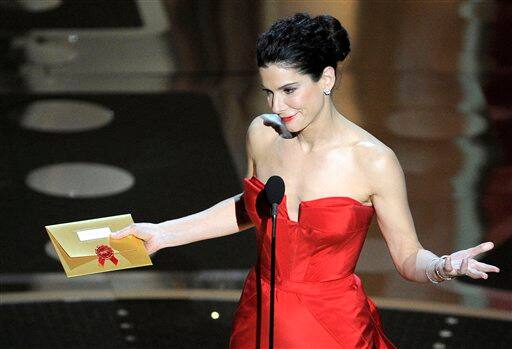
x=338, y=177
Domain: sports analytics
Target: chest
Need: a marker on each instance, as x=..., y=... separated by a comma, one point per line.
x=329, y=173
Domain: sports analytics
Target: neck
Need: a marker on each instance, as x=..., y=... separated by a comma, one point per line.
x=322, y=130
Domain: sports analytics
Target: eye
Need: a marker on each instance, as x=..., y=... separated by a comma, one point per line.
x=289, y=91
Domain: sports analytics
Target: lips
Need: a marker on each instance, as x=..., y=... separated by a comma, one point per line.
x=288, y=118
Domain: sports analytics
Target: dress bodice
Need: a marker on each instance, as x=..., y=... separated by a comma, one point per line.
x=324, y=244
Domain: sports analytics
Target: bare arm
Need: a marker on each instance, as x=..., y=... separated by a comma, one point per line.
x=396, y=224
x=394, y=216
x=225, y=218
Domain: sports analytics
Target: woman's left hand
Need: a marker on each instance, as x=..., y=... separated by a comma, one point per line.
x=463, y=263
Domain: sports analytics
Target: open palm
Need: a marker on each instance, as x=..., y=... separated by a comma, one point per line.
x=463, y=263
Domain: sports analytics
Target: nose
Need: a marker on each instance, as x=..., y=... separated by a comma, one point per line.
x=277, y=104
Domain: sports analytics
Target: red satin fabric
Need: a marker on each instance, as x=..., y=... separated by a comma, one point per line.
x=319, y=301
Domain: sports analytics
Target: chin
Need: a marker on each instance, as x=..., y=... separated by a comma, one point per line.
x=294, y=128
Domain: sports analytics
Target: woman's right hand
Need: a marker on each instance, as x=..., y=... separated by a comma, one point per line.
x=148, y=232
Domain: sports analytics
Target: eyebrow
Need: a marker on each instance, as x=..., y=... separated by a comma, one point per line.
x=280, y=88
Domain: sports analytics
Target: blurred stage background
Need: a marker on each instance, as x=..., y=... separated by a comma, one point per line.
x=141, y=107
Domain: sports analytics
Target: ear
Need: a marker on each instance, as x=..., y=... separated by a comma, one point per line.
x=328, y=78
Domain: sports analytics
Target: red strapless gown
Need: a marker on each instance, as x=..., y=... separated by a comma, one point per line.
x=319, y=301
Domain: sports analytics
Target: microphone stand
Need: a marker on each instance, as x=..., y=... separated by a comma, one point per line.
x=272, y=276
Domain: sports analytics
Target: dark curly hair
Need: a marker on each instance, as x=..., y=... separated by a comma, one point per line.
x=304, y=43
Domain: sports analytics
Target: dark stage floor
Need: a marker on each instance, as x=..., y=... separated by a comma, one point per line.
x=206, y=324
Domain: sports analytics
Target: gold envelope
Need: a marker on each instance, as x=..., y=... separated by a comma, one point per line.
x=80, y=258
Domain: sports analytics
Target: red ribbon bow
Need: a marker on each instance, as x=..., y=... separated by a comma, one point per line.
x=105, y=252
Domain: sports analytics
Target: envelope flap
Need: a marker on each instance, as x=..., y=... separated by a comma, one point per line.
x=80, y=239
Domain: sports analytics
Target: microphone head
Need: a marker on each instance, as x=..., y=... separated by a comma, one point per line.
x=274, y=190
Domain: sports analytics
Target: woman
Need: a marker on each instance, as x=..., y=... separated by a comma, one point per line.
x=337, y=176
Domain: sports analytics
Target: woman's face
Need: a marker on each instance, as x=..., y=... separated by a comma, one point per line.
x=295, y=97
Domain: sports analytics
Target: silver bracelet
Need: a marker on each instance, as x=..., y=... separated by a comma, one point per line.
x=430, y=269
x=442, y=277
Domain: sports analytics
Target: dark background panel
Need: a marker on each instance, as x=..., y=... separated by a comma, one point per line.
x=171, y=143
x=82, y=14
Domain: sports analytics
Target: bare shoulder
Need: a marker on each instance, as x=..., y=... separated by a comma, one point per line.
x=381, y=168
x=374, y=157
x=259, y=135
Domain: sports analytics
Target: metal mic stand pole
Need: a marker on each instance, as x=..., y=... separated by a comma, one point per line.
x=272, y=277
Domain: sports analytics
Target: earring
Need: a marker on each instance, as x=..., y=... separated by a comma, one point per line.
x=327, y=92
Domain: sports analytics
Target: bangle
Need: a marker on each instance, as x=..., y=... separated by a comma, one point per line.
x=438, y=274
x=430, y=272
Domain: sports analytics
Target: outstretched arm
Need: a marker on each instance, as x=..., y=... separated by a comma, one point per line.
x=395, y=221
x=226, y=217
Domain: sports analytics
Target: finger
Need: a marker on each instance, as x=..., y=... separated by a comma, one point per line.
x=484, y=247
x=124, y=232
x=150, y=248
x=475, y=274
x=486, y=267
x=448, y=267
x=464, y=266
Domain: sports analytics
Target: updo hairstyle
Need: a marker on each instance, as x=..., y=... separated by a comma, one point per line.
x=304, y=43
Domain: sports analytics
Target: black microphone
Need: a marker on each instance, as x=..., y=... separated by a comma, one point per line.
x=274, y=192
